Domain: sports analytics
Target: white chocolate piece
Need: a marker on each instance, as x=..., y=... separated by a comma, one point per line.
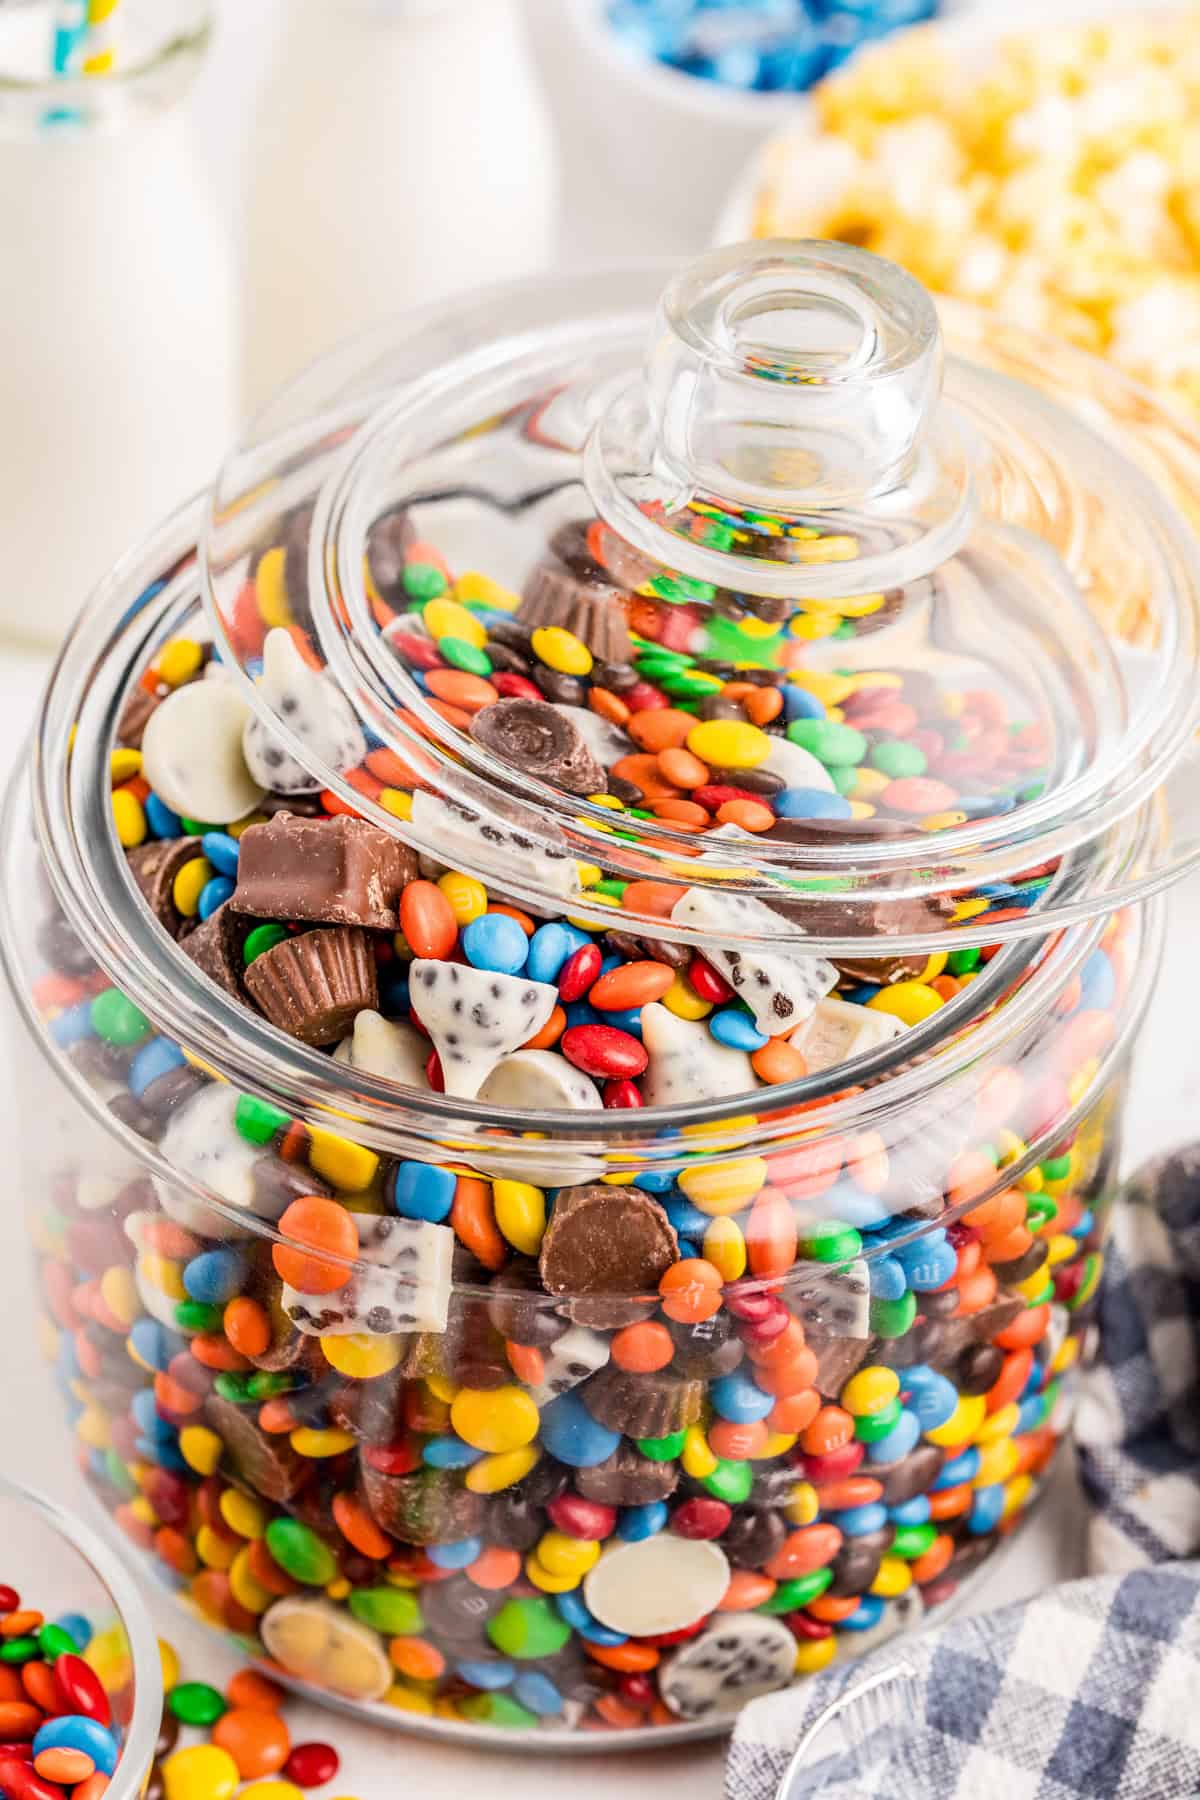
x=310, y=705
x=476, y=1017
x=192, y=753
x=388, y=1048
x=686, y=1061
x=540, y=1081
x=737, y=1658
x=797, y=766
x=465, y=839
x=577, y=1354
x=780, y=988
x=202, y=1141
x=839, y=1030
x=318, y=1642
x=660, y=1584
x=406, y=1289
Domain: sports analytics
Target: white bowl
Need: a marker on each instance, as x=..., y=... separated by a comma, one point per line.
x=676, y=139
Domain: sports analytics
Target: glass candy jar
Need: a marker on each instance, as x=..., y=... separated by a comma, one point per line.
x=582, y=935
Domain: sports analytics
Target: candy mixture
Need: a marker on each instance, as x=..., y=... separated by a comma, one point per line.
x=66, y=1688
x=1051, y=176
x=767, y=45
x=529, y=1437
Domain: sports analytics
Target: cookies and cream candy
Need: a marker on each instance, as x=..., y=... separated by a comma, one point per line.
x=465, y=838
x=659, y=1584
x=316, y=1641
x=796, y=766
x=781, y=989
x=837, y=1031
x=312, y=707
x=192, y=753
x=388, y=1048
x=687, y=1062
x=404, y=1287
x=575, y=1356
x=202, y=1141
x=739, y=1657
x=540, y=1081
x=833, y=1301
x=903, y=1614
x=476, y=1017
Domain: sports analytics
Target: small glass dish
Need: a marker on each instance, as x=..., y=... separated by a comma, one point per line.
x=60, y=1566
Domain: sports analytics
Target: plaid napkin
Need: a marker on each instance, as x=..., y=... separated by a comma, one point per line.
x=1092, y=1691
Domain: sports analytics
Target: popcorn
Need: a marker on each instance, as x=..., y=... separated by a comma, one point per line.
x=1059, y=183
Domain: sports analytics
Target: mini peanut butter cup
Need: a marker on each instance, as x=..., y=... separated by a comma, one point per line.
x=313, y=987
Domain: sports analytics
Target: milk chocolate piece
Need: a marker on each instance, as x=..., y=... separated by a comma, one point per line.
x=339, y=871
x=429, y=1507
x=587, y=606
x=605, y=1241
x=536, y=738
x=216, y=947
x=154, y=867
x=643, y=1406
x=627, y=1478
x=313, y=987
x=262, y=1461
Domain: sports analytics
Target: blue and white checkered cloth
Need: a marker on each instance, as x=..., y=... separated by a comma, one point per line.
x=1092, y=1690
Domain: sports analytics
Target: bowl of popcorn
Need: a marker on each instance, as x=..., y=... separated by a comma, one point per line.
x=1051, y=175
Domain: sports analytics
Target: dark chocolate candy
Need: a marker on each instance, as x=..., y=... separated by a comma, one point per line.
x=429, y=1507
x=456, y=1612
x=165, y=1096
x=1022, y=1267
x=539, y=740
x=216, y=947
x=627, y=1478
x=262, y=1461
x=606, y=1241
x=62, y=947
x=753, y=1536
x=339, y=871
x=979, y=1369
x=855, y=1567
x=910, y=1475
x=314, y=986
x=154, y=867
x=706, y=1349
x=643, y=1406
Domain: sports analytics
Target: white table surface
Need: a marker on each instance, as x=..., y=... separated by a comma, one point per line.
x=1163, y=1113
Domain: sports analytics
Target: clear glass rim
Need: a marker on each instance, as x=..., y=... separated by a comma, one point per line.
x=141, y=1735
x=84, y=93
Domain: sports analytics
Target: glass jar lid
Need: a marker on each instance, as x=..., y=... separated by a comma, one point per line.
x=845, y=648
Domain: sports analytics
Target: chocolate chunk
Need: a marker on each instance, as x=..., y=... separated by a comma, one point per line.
x=706, y=1349
x=154, y=867
x=715, y=706
x=262, y=1461
x=837, y=1359
x=909, y=1475
x=539, y=740
x=429, y=1507
x=753, y=1535
x=588, y=607
x=519, y=1309
x=339, y=871
x=643, y=1406
x=371, y=1410
x=605, y=1241
x=136, y=714
x=313, y=987
x=216, y=947
x=627, y=1478
x=388, y=542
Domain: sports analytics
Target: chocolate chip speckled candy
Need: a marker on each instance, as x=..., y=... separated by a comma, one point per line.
x=192, y=753
x=605, y=1241
x=835, y=1301
x=572, y=1358
x=405, y=1287
x=202, y=1142
x=316, y=1641
x=780, y=990
x=686, y=1060
x=659, y=1584
x=463, y=837
x=311, y=706
x=739, y=1657
x=476, y=1017
x=837, y=1031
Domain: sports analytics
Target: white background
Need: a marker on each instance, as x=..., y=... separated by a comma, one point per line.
x=599, y=222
